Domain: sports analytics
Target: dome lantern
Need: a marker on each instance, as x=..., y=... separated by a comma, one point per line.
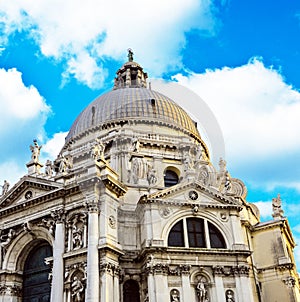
x=131, y=75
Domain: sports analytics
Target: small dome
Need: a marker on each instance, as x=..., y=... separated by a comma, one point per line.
x=136, y=104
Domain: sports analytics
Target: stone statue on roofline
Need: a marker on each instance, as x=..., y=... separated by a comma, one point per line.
x=35, y=151
x=276, y=207
x=5, y=187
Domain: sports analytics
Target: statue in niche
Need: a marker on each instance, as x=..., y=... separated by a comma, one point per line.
x=98, y=149
x=5, y=187
x=174, y=295
x=276, y=206
x=229, y=295
x=77, y=290
x=152, y=178
x=77, y=233
x=202, y=291
x=48, y=168
x=136, y=145
x=35, y=151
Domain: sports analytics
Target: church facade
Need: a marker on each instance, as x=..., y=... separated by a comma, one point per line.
x=132, y=209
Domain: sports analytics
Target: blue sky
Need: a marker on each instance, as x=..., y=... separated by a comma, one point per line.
x=242, y=58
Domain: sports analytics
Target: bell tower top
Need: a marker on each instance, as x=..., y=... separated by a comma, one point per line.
x=130, y=75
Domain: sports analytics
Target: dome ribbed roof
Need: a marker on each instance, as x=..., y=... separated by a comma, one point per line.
x=132, y=104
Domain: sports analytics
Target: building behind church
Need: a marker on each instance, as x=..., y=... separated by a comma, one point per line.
x=132, y=209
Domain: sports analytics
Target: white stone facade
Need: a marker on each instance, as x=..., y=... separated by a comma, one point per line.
x=133, y=210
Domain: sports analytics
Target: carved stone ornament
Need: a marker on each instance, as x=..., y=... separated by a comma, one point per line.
x=193, y=195
x=112, y=221
x=289, y=281
x=165, y=211
x=48, y=224
x=11, y=290
x=238, y=188
x=58, y=215
x=203, y=175
x=78, y=287
x=6, y=238
x=174, y=295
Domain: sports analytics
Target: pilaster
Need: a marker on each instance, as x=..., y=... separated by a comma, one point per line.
x=92, y=285
x=57, y=290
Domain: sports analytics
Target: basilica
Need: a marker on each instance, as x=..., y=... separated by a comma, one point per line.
x=133, y=210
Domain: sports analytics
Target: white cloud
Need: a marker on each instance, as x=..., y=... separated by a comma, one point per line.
x=23, y=115
x=265, y=209
x=21, y=103
x=259, y=116
x=81, y=33
x=53, y=146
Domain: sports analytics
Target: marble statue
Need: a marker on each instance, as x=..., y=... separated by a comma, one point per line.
x=35, y=151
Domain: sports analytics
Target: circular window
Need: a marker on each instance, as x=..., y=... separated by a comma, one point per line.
x=193, y=195
x=28, y=194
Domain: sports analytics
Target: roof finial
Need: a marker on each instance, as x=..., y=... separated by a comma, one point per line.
x=130, y=55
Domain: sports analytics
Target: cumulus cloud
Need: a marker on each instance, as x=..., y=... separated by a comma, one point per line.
x=265, y=209
x=54, y=144
x=258, y=113
x=72, y=31
x=23, y=115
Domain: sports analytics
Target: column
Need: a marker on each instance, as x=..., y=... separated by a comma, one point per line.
x=161, y=282
x=92, y=284
x=107, y=282
x=116, y=285
x=57, y=290
x=151, y=287
x=243, y=284
x=219, y=288
x=186, y=285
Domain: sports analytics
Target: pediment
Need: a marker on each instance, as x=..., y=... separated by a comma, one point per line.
x=27, y=188
x=192, y=193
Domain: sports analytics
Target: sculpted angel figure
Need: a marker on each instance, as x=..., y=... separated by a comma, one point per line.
x=35, y=151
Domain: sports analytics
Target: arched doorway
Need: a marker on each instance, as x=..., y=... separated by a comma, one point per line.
x=131, y=291
x=36, y=284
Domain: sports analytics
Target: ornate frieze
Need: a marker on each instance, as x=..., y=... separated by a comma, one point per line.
x=241, y=270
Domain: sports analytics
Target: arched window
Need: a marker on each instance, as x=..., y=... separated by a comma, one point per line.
x=36, y=284
x=170, y=178
x=196, y=232
x=131, y=291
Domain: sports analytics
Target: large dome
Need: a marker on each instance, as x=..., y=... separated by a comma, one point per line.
x=136, y=104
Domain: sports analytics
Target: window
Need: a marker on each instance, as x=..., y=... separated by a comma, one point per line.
x=170, y=178
x=196, y=232
x=176, y=235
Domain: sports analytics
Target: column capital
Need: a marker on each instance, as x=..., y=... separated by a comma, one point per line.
x=91, y=204
x=58, y=215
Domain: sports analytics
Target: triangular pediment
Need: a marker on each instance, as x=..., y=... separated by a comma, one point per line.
x=192, y=193
x=27, y=188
